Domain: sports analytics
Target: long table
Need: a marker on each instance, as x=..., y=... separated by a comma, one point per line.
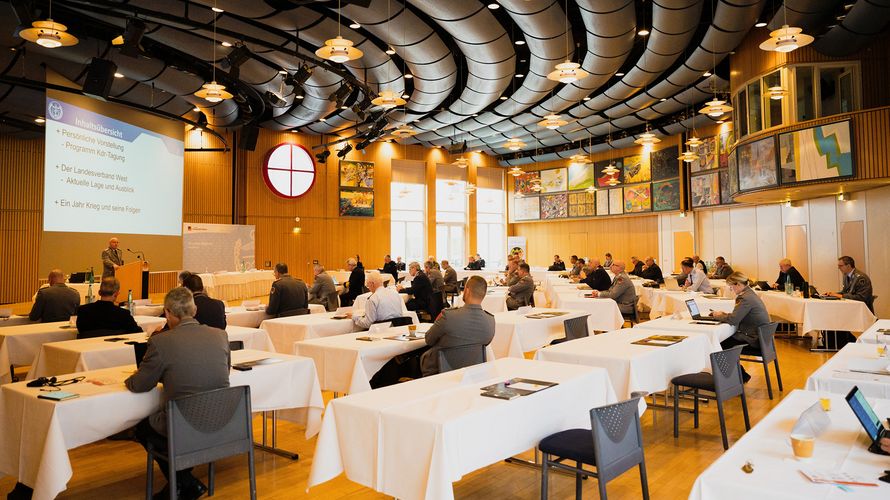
x=684, y=325
x=515, y=333
x=234, y=285
x=873, y=336
x=835, y=375
x=816, y=314
x=412, y=440
x=37, y=433
x=605, y=315
x=842, y=448
x=242, y=316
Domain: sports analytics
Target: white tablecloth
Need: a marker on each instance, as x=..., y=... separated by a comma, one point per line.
x=240, y=316
x=674, y=302
x=20, y=344
x=285, y=331
x=815, y=314
x=233, y=285
x=495, y=300
x=634, y=367
x=149, y=310
x=873, y=336
x=604, y=313
x=835, y=376
x=412, y=440
x=37, y=433
x=487, y=275
x=684, y=326
x=516, y=334
x=842, y=448
x=15, y=320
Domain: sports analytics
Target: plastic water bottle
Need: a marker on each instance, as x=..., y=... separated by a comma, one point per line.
x=90, y=293
x=130, y=305
x=789, y=288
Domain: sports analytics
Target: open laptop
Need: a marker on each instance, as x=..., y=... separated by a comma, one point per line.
x=761, y=285
x=139, y=349
x=672, y=284
x=866, y=415
x=816, y=295
x=696, y=314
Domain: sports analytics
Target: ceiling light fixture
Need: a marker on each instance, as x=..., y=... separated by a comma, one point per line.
x=494, y=6
x=568, y=71
x=776, y=93
x=355, y=25
x=694, y=142
x=552, y=122
x=404, y=131
x=217, y=9
x=226, y=44
x=49, y=33
x=715, y=107
x=647, y=138
x=643, y=32
x=706, y=74
x=515, y=171
x=388, y=99
x=514, y=144
x=519, y=42
x=40, y=119
x=688, y=156
x=390, y=51
x=339, y=49
x=761, y=24
x=408, y=76
x=213, y=92
x=787, y=38
x=118, y=75
x=461, y=162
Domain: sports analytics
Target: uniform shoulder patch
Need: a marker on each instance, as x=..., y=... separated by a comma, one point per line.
x=272, y=290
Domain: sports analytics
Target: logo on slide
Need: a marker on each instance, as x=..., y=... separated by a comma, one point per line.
x=54, y=110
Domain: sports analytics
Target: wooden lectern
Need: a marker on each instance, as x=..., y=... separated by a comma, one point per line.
x=130, y=277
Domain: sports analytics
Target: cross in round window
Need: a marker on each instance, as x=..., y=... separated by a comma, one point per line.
x=289, y=170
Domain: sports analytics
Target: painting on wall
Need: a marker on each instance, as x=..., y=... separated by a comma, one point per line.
x=580, y=176
x=637, y=169
x=356, y=188
x=527, y=208
x=733, y=172
x=724, y=146
x=637, y=198
x=725, y=196
x=602, y=180
x=356, y=203
x=665, y=164
x=705, y=190
x=582, y=204
x=707, y=156
x=554, y=180
x=821, y=152
x=356, y=174
x=666, y=195
x=616, y=202
x=523, y=183
x=602, y=202
x=554, y=206
x=757, y=164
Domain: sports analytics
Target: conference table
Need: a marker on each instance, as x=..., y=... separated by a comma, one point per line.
x=342, y=276
x=684, y=325
x=67, y=356
x=817, y=314
x=37, y=433
x=634, y=367
x=874, y=335
x=19, y=345
x=229, y=285
x=842, y=448
x=855, y=364
x=495, y=300
x=605, y=315
x=252, y=317
x=412, y=440
x=15, y=320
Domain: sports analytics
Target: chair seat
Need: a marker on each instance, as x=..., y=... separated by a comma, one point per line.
x=573, y=444
x=701, y=380
x=749, y=350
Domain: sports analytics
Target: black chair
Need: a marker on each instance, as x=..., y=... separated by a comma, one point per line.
x=332, y=301
x=575, y=328
x=203, y=428
x=103, y=332
x=236, y=345
x=614, y=445
x=437, y=303
x=633, y=317
x=725, y=382
x=400, y=321
x=457, y=291
x=462, y=356
x=294, y=312
x=765, y=353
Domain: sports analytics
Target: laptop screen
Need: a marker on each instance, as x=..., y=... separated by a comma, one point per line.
x=864, y=413
x=693, y=308
x=139, y=350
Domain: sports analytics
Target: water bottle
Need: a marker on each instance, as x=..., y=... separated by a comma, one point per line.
x=243, y=269
x=789, y=288
x=130, y=305
x=90, y=293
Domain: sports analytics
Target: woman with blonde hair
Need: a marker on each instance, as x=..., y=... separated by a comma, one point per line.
x=748, y=314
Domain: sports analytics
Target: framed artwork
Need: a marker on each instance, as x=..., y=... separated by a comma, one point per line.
x=822, y=152
x=666, y=195
x=356, y=203
x=705, y=190
x=637, y=198
x=554, y=206
x=757, y=164
x=523, y=183
x=725, y=195
x=356, y=188
x=580, y=176
x=616, y=202
x=356, y=174
x=554, y=180
x=725, y=141
x=602, y=180
x=582, y=204
x=665, y=164
x=637, y=169
x=527, y=208
x=707, y=156
x=733, y=172
x=602, y=202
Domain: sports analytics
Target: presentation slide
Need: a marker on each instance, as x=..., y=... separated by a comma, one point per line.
x=103, y=175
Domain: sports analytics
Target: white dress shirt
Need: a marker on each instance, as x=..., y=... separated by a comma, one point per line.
x=384, y=303
x=699, y=282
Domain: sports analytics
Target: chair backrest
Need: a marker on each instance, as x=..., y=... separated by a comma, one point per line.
x=727, y=373
x=402, y=321
x=871, y=304
x=209, y=426
x=236, y=345
x=462, y=356
x=462, y=284
x=332, y=301
x=104, y=332
x=617, y=438
x=436, y=304
x=576, y=328
x=293, y=312
x=767, y=339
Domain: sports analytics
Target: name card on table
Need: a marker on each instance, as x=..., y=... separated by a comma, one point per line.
x=813, y=421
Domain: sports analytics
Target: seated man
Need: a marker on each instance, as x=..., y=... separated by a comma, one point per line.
x=389, y=267
x=696, y=279
x=187, y=359
x=558, y=264
x=596, y=277
x=512, y=275
x=857, y=284
x=450, y=277
x=421, y=289
x=323, y=290
x=472, y=265
x=56, y=302
x=696, y=260
x=104, y=317
x=211, y=312
x=182, y=276
x=400, y=266
x=638, y=266
x=289, y=295
x=722, y=270
x=356, y=285
x=581, y=263
x=608, y=260
x=481, y=261
x=522, y=292
x=431, y=268
x=786, y=272
x=621, y=290
x=651, y=271
x=576, y=267
x=467, y=325
x=383, y=304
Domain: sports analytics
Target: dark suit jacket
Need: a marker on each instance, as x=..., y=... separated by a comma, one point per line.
x=422, y=290
x=598, y=280
x=287, y=294
x=859, y=288
x=638, y=268
x=54, y=303
x=103, y=316
x=356, y=284
x=796, y=279
x=400, y=266
x=390, y=268
x=188, y=359
x=474, y=266
x=557, y=266
x=211, y=312
x=652, y=273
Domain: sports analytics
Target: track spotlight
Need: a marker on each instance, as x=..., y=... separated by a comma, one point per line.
x=275, y=100
x=201, y=122
x=345, y=151
x=238, y=56
x=323, y=156
x=340, y=95
x=130, y=42
x=300, y=77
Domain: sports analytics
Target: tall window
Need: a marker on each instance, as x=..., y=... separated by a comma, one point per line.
x=408, y=211
x=451, y=214
x=491, y=217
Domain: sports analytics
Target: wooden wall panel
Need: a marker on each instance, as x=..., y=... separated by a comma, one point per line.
x=21, y=216
x=207, y=181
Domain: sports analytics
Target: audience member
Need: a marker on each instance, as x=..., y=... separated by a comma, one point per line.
x=472, y=264
x=356, y=285
x=512, y=275
x=210, y=312
x=323, y=291
x=481, y=261
x=621, y=291
x=436, y=280
x=651, y=271
x=182, y=276
x=638, y=266
x=56, y=302
x=786, y=272
x=399, y=264
x=521, y=293
x=607, y=262
x=289, y=295
x=576, y=267
x=696, y=260
x=450, y=277
x=722, y=270
x=383, y=304
x=748, y=314
x=421, y=289
x=696, y=279
x=104, y=317
x=857, y=284
x=596, y=277
x=389, y=267
x=558, y=264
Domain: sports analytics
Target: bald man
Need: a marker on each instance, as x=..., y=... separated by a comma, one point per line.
x=112, y=258
x=56, y=302
x=621, y=291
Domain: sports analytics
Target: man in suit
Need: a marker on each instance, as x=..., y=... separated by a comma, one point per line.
x=596, y=277
x=400, y=266
x=112, y=258
x=356, y=283
x=389, y=267
x=581, y=264
x=558, y=264
x=104, y=317
x=450, y=277
x=512, y=275
x=576, y=267
x=481, y=261
x=638, y=266
x=722, y=270
x=56, y=302
x=288, y=296
x=383, y=304
x=696, y=280
x=187, y=359
x=472, y=264
x=211, y=312
x=651, y=271
x=857, y=284
x=435, y=276
x=621, y=290
x=522, y=292
x=323, y=290
x=787, y=271
x=421, y=289
x=467, y=325
x=696, y=260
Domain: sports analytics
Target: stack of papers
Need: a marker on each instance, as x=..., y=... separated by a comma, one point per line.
x=546, y=314
x=660, y=340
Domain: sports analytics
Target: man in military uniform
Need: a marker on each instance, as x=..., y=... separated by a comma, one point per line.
x=323, y=290
x=512, y=275
x=748, y=314
x=56, y=302
x=576, y=266
x=450, y=277
x=112, y=258
x=522, y=292
x=857, y=284
x=435, y=276
x=289, y=295
x=621, y=291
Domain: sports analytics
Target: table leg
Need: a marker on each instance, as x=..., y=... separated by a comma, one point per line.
x=274, y=446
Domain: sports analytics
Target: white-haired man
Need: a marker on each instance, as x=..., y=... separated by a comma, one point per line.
x=384, y=304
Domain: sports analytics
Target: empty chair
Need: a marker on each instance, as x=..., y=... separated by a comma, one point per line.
x=332, y=301
x=236, y=345
x=203, y=428
x=462, y=356
x=633, y=317
x=613, y=445
x=575, y=328
x=764, y=353
x=450, y=296
x=725, y=382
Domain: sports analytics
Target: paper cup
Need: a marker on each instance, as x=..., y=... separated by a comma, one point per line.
x=803, y=446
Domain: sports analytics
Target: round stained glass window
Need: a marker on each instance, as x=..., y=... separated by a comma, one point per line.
x=289, y=170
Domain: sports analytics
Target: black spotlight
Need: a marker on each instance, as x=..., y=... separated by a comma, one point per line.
x=275, y=100
x=340, y=94
x=238, y=56
x=132, y=38
x=345, y=151
x=300, y=77
x=323, y=156
x=201, y=122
